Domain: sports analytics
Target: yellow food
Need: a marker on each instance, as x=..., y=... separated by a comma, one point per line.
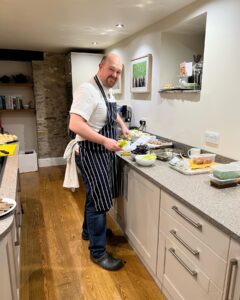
x=125, y=153
x=122, y=143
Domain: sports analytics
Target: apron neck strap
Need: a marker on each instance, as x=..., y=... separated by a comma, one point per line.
x=100, y=88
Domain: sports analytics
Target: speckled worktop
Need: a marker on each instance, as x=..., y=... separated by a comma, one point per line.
x=220, y=207
x=8, y=189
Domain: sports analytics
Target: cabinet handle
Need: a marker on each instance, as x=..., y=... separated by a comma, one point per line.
x=196, y=225
x=191, y=272
x=17, y=242
x=233, y=263
x=193, y=251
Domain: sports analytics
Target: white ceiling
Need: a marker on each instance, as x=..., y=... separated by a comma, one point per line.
x=60, y=25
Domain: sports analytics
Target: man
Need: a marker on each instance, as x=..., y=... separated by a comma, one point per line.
x=94, y=118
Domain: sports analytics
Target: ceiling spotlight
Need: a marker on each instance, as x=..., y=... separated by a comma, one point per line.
x=94, y=43
x=119, y=25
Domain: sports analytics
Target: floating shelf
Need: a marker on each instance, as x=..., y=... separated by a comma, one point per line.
x=17, y=110
x=179, y=90
x=13, y=84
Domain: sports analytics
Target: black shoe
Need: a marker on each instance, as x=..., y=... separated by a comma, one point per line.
x=108, y=262
x=109, y=234
x=85, y=237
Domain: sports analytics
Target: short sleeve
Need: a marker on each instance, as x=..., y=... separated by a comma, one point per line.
x=83, y=101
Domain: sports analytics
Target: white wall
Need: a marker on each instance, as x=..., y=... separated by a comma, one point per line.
x=84, y=67
x=186, y=118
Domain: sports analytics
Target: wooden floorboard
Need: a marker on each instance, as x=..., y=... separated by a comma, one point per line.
x=55, y=260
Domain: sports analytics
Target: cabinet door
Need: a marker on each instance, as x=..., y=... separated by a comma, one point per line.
x=143, y=217
x=232, y=288
x=8, y=284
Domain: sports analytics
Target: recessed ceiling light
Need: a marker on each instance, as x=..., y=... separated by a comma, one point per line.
x=94, y=43
x=119, y=25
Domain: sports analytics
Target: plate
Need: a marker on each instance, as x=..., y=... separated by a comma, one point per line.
x=8, y=201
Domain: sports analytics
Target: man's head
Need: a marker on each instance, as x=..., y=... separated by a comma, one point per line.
x=110, y=69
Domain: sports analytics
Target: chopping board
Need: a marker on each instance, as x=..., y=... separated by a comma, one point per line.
x=190, y=171
x=9, y=148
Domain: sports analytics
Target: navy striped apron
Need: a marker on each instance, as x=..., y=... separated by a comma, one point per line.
x=99, y=164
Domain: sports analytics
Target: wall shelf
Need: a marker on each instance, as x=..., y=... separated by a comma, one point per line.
x=17, y=110
x=13, y=84
x=178, y=91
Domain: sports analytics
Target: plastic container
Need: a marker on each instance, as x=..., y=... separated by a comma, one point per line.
x=205, y=158
x=226, y=171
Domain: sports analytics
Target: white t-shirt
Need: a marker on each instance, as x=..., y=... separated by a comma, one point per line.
x=89, y=103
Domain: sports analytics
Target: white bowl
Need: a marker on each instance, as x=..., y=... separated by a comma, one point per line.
x=144, y=162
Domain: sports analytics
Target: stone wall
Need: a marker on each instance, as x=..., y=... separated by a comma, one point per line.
x=51, y=105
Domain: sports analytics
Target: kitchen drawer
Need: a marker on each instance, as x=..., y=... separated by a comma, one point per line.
x=203, y=230
x=184, y=280
x=199, y=253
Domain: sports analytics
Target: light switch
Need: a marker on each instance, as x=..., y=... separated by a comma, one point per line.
x=212, y=137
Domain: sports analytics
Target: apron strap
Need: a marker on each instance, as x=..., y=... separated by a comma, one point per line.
x=100, y=88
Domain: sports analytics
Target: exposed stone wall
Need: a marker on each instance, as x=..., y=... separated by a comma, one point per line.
x=51, y=105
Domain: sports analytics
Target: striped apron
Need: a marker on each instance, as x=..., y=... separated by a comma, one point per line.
x=99, y=164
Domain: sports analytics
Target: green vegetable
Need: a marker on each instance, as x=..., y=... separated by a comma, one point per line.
x=149, y=156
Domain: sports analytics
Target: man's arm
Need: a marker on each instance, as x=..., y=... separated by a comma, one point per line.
x=78, y=125
x=124, y=129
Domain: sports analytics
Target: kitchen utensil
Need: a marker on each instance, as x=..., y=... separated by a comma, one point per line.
x=10, y=148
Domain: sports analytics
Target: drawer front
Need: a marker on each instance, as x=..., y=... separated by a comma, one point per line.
x=202, y=256
x=184, y=280
x=203, y=230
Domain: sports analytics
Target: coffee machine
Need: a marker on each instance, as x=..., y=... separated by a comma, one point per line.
x=125, y=113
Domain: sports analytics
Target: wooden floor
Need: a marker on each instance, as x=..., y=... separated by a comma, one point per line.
x=55, y=260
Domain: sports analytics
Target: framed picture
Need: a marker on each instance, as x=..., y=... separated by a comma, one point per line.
x=141, y=73
x=118, y=87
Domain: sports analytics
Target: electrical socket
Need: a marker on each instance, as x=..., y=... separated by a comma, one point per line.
x=142, y=122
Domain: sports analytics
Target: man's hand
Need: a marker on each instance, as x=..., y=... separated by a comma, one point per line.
x=111, y=145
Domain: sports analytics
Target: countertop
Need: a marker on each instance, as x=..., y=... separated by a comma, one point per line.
x=8, y=189
x=220, y=207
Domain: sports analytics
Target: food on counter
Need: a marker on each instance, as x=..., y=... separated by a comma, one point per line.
x=6, y=138
x=206, y=158
x=4, y=206
x=125, y=153
x=137, y=133
x=141, y=149
x=149, y=156
x=122, y=143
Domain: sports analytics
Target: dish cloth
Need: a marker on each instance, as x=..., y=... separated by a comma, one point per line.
x=71, y=180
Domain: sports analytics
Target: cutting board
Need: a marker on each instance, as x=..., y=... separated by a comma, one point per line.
x=9, y=147
x=190, y=171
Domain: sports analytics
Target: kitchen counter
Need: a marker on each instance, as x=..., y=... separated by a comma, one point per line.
x=220, y=207
x=8, y=189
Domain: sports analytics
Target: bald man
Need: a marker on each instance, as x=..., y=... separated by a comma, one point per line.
x=94, y=118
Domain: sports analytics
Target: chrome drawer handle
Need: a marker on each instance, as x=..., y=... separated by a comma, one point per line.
x=233, y=263
x=193, y=251
x=191, y=272
x=196, y=225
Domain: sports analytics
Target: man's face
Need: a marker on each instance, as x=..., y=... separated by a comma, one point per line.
x=110, y=71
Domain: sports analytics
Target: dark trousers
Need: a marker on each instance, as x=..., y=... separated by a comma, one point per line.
x=95, y=223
